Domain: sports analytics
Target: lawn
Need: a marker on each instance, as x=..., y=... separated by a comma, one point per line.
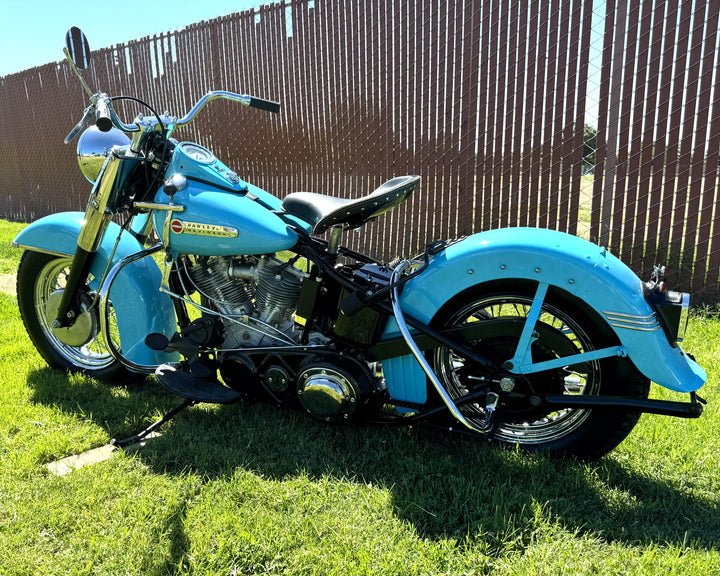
x=253, y=490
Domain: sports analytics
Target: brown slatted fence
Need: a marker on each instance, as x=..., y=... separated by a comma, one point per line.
x=656, y=177
x=487, y=101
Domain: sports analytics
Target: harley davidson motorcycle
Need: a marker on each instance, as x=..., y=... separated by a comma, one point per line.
x=525, y=337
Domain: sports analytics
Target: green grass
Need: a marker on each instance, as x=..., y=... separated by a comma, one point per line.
x=9, y=256
x=255, y=490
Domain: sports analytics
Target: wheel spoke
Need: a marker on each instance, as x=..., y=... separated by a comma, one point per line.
x=524, y=424
x=93, y=354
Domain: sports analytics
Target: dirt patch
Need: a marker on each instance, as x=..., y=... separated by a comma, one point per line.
x=7, y=283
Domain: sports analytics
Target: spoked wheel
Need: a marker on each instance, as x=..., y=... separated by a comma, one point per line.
x=565, y=327
x=80, y=348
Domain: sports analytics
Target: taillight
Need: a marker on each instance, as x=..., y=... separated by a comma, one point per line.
x=672, y=307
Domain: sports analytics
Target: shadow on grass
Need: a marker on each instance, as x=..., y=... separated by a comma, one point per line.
x=119, y=408
x=446, y=486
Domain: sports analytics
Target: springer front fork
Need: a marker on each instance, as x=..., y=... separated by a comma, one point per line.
x=97, y=218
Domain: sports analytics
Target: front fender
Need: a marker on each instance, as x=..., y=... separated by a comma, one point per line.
x=581, y=268
x=140, y=307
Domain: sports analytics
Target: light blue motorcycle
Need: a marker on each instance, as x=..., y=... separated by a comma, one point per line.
x=226, y=293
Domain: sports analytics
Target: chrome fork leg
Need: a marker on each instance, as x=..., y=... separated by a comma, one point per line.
x=97, y=218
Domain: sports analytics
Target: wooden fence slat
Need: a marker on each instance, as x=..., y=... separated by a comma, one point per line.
x=700, y=208
x=622, y=197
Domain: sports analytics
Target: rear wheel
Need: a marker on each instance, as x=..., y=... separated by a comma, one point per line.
x=566, y=326
x=80, y=348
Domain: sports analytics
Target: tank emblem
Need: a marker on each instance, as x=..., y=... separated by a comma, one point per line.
x=199, y=229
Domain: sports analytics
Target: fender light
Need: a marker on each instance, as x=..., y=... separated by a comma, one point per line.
x=672, y=307
x=673, y=310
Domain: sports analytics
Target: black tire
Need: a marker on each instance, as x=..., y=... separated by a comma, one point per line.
x=566, y=326
x=39, y=276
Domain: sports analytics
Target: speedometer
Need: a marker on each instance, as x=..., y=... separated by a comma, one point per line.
x=197, y=153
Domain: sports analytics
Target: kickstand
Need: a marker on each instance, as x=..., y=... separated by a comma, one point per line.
x=124, y=443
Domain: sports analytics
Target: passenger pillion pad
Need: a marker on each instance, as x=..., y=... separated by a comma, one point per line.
x=324, y=212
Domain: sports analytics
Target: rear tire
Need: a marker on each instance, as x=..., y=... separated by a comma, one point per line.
x=40, y=276
x=566, y=326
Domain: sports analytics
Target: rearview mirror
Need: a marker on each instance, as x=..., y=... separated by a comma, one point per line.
x=78, y=49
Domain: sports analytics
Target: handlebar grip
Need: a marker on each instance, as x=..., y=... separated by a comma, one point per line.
x=102, y=116
x=267, y=105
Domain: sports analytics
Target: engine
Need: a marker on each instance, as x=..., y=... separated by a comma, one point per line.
x=256, y=297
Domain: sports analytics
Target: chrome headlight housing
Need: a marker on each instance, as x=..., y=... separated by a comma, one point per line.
x=94, y=146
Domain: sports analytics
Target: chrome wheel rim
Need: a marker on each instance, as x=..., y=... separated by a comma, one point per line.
x=92, y=355
x=585, y=379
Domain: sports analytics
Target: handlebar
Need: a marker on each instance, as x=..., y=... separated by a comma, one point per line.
x=245, y=100
x=105, y=116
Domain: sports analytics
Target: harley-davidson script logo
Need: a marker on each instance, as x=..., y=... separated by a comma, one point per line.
x=198, y=229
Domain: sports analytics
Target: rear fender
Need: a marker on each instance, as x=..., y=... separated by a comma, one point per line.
x=140, y=307
x=552, y=258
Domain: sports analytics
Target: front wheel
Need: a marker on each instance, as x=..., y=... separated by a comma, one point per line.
x=81, y=348
x=566, y=326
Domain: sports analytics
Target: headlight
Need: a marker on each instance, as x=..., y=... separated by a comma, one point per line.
x=94, y=146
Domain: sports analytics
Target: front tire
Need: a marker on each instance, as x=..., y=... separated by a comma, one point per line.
x=40, y=280
x=566, y=326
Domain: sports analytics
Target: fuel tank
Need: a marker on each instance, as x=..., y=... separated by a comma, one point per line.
x=221, y=214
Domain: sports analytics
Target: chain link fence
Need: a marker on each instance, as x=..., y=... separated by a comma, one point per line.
x=594, y=118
